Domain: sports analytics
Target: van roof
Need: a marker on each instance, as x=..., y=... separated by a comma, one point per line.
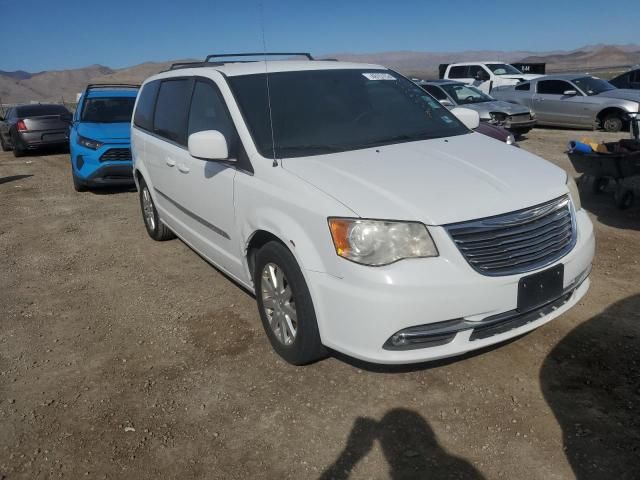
x=234, y=69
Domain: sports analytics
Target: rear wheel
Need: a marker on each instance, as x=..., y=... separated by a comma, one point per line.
x=155, y=228
x=3, y=145
x=18, y=149
x=285, y=306
x=613, y=122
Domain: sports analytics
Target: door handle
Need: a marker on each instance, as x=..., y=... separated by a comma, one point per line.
x=183, y=168
x=171, y=163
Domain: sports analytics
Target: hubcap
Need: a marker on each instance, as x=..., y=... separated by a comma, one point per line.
x=147, y=209
x=278, y=304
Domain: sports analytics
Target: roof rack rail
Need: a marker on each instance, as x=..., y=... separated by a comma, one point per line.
x=260, y=54
x=177, y=65
x=112, y=85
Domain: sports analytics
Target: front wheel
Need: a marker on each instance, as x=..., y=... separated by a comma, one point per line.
x=285, y=306
x=613, y=123
x=155, y=228
x=78, y=185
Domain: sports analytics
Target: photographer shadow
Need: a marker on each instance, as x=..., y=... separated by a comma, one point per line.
x=591, y=381
x=409, y=446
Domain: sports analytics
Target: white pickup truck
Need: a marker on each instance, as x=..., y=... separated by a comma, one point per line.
x=484, y=75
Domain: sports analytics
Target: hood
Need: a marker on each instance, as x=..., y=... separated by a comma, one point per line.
x=496, y=106
x=521, y=77
x=106, y=132
x=622, y=93
x=437, y=182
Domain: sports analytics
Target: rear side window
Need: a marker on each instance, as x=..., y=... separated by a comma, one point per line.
x=38, y=110
x=635, y=76
x=143, y=116
x=208, y=112
x=523, y=86
x=435, y=91
x=554, y=87
x=458, y=72
x=172, y=107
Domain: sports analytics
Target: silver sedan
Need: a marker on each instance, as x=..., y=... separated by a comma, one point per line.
x=572, y=100
x=516, y=118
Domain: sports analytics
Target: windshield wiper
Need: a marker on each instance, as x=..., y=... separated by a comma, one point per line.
x=405, y=137
x=326, y=148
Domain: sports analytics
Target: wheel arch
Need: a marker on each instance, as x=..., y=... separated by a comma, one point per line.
x=605, y=112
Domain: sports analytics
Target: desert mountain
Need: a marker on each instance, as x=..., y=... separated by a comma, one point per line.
x=20, y=86
x=602, y=56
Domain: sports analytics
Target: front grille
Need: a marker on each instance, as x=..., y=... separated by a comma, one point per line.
x=116, y=154
x=519, y=241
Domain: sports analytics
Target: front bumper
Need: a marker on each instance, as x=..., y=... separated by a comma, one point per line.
x=518, y=124
x=358, y=313
x=91, y=168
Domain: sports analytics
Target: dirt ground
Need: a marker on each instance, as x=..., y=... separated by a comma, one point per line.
x=125, y=358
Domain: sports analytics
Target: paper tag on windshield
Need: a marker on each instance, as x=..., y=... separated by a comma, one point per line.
x=378, y=76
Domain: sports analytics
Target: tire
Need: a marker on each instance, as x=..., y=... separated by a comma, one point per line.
x=78, y=185
x=3, y=145
x=613, y=122
x=291, y=293
x=624, y=198
x=155, y=228
x=599, y=185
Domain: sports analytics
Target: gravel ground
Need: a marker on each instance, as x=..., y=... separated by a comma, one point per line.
x=121, y=357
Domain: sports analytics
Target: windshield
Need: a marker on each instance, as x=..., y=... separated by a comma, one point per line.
x=503, y=69
x=464, y=94
x=593, y=85
x=107, y=109
x=322, y=111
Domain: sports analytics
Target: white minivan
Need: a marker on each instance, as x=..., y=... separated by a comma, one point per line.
x=365, y=217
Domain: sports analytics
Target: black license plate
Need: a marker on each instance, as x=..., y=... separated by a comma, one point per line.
x=52, y=137
x=540, y=288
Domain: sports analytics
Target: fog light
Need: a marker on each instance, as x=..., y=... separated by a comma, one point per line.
x=79, y=161
x=398, y=340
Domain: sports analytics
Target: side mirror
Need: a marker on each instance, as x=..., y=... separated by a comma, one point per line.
x=446, y=103
x=570, y=93
x=208, y=145
x=470, y=118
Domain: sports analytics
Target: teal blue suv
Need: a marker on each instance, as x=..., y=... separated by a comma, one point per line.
x=100, y=137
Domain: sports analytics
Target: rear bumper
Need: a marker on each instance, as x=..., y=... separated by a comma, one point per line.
x=43, y=138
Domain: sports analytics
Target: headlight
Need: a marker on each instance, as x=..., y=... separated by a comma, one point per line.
x=574, y=193
x=511, y=140
x=89, y=143
x=379, y=242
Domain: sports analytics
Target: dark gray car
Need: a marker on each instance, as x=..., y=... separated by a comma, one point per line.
x=515, y=118
x=28, y=127
x=573, y=100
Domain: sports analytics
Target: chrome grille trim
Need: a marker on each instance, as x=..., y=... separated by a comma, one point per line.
x=517, y=242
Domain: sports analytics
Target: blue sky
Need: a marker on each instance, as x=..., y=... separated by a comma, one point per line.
x=117, y=33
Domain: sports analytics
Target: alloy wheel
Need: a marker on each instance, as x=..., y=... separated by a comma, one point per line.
x=278, y=304
x=147, y=208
